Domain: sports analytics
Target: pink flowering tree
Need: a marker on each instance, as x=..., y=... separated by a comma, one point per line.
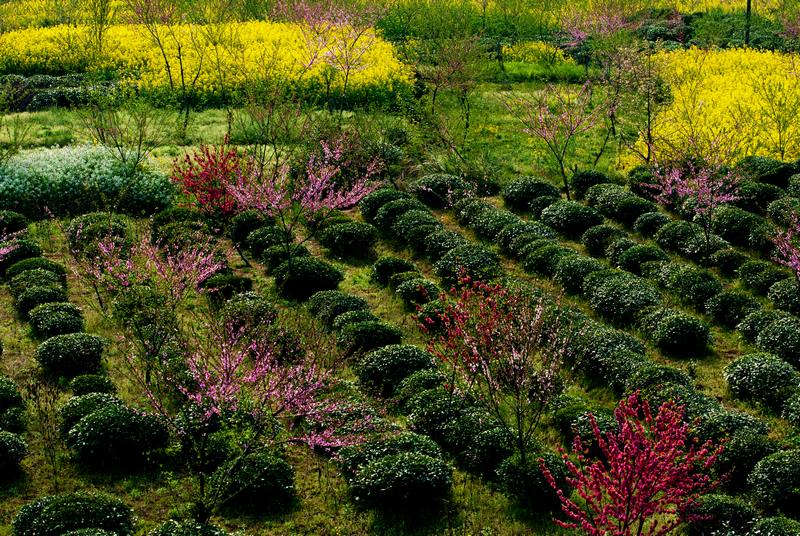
x=502, y=351
x=556, y=117
x=312, y=195
x=7, y=244
x=648, y=476
x=787, y=247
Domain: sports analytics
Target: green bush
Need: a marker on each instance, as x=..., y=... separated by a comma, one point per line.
x=756, y=197
x=618, y=203
x=37, y=263
x=326, y=305
x=23, y=249
x=765, y=169
x=506, y=237
x=491, y=222
x=89, y=532
x=12, y=450
x=782, y=338
x=692, y=285
x=34, y=296
x=544, y=260
x=413, y=227
x=115, y=436
x=386, y=267
x=352, y=317
x=467, y=210
x=274, y=256
x=389, y=213
x=438, y=190
x=34, y=278
x=759, y=276
x=383, y=370
x=521, y=191
x=677, y=333
x=537, y=206
x=9, y=394
x=720, y=514
x=688, y=239
x=570, y=218
x=51, y=319
x=174, y=214
x=619, y=296
x=79, y=406
x=91, y=383
x=186, y=528
x=775, y=482
x=634, y=257
x=649, y=223
x=85, y=231
x=775, y=526
x=730, y=307
x=761, y=378
x=71, y=354
x=756, y=321
x=527, y=485
x=261, y=482
x=441, y=241
x=56, y=515
x=12, y=222
x=415, y=292
x=581, y=181
x=407, y=481
x=263, y=238
x=306, y=276
x=350, y=240
x=363, y=337
x=478, y=442
x=353, y=458
x=785, y=295
x=571, y=270
x=430, y=410
x=416, y=383
x=781, y=211
x=472, y=261
x=652, y=375
x=734, y=224
x=597, y=239
x=243, y=224
x=743, y=450
x=398, y=279
x=221, y=287
x=372, y=202
x=728, y=261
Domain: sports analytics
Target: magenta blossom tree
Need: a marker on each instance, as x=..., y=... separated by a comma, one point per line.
x=649, y=475
x=787, y=247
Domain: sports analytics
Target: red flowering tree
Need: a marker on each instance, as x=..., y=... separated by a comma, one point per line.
x=204, y=175
x=647, y=477
x=502, y=350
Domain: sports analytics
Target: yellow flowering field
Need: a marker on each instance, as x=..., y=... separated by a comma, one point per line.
x=752, y=97
x=222, y=58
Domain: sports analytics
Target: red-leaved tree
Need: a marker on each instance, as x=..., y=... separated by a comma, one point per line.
x=648, y=476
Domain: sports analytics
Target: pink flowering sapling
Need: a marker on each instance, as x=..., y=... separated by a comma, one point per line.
x=787, y=247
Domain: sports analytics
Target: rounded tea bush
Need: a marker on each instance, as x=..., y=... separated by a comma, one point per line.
x=619, y=296
x=775, y=483
x=597, y=239
x=762, y=378
x=372, y=202
x=730, y=307
x=37, y=263
x=260, y=240
x=79, y=406
x=326, y=305
x=682, y=335
x=572, y=269
x=12, y=450
x=507, y=235
x=633, y=259
x=37, y=295
x=34, y=278
x=743, y=450
x=51, y=319
x=71, y=354
x=9, y=394
x=415, y=292
x=56, y=515
x=649, y=223
x=243, y=224
x=262, y=482
x=352, y=317
x=782, y=338
x=720, y=514
x=363, y=337
x=306, y=276
x=528, y=486
x=353, y=458
x=441, y=241
x=570, y=218
x=474, y=261
x=439, y=190
x=755, y=322
x=23, y=249
x=544, y=260
x=581, y=181
x=759, y=276
x=186, y=528
x=405, y=481
x=728, y=261
x=12, y=222
x=350, y=240
x=91, y=383
x=386, y=267
x=383, y=370
x=785, y=295
x=693, y=285
x=389, y=213
x=775, y=526
x=521, y=191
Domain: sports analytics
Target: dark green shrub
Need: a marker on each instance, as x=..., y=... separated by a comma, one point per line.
x=430, y=314
x=220, y=288
x=415, y=292
x=571, y=218
x=491, y=222
x=467, y=210
x=243, y=224
x=438, y=190
x=730, y=307
x=408, y=481
x=398, y=279
x=756, y=196
x=521, y=191
x=12, y=222
x=350, y=240
x=176, y=215
x=649, y=223
x=37, y=263
x=115, y=436
x=765, y=169
x=775, y=482
x=734, y=224
x=511, y=232
x=363, y=337
x=537, y=206
x=89, y=532
x=305, y=276
x=34, y=278
x=261, y=482
x=57, y=515
x=743, y=450
x=652, y=375
x=23, y=249
x=759, y=276
x=718, y=424
x=353, y=458
x=37, y=295
x=785, y=294
x=756, y=321
x=51, y=319
x=12, y=450
x=384, y=369
x=91, y=383
x=414, y=226
x=386, y=267
x=618, y=203
x=597, y=239
x=581, y=181
x=9, y=394
x=678, y=333
x=720, y=514
x=695, y=404
x=619, y=246
x=371, y=203
x=274, y=256
x=525, y=482
x=619, y=296
x=79, y=406
x=693, y=285
x=782, y=338
x=781, y=211
x=71, y=354
x=431, y=410
x=572, y=269
x=634, y=257
x=263, y=238
x=761, y=378
x=793, y=188
x=472, y=261
x=761, y=239
x=352, y=317
x=416, y=383
x=326, y=305
x=186, y=528
x=728, y=260
x=389, y=213
x=544, y=260
x=479, y=443
x=775, y=526
x=441, y=241
x=85, y=231
x=791, y=409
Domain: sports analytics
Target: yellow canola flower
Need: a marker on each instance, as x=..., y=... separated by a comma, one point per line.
x=227, y=56
x=535, y=52
x=742, y=99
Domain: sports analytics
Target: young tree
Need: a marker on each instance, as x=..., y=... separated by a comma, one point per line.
x=502, y=350
x=787, y=247
x=556, y=121
x=648, y=476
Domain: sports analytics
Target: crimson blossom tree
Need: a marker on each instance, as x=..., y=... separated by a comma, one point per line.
x=501, y=348
x=645, y=481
